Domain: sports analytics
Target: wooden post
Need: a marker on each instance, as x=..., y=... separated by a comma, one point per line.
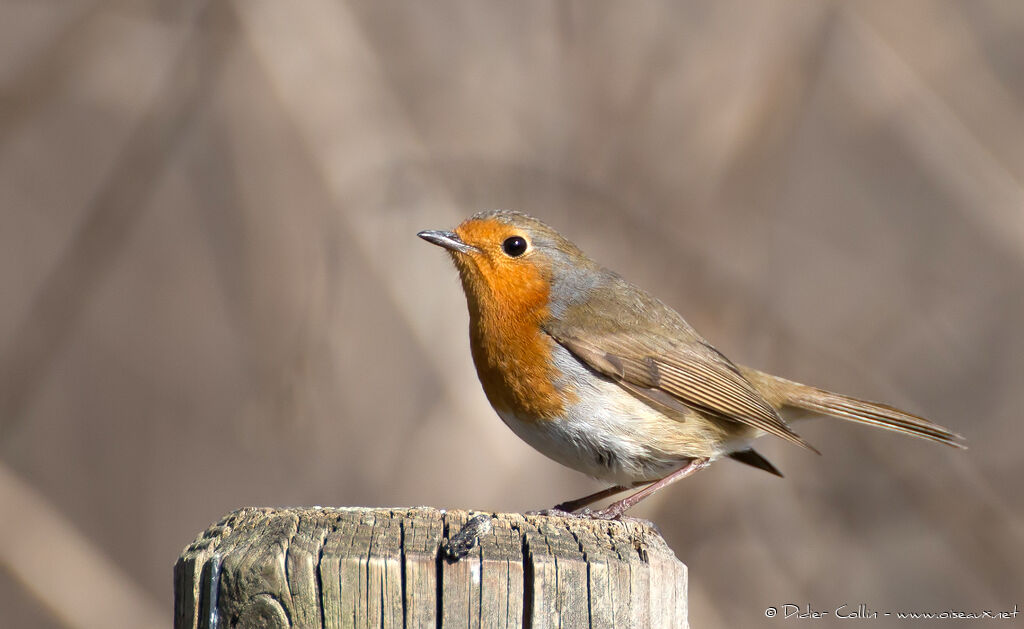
x=354, y=567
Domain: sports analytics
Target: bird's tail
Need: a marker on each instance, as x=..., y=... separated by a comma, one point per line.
x=782, y=393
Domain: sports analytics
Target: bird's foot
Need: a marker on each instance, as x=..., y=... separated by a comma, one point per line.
x=604, y=514
x=555, y=512
x=618, y=515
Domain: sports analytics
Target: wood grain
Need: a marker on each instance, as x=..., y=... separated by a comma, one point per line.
x=356, y=567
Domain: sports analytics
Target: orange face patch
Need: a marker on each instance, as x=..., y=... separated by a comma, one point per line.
x=508, y=301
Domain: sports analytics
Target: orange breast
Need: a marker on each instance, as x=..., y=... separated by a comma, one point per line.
x=511, y=353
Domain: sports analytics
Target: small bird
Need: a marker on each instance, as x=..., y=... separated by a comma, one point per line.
x=605, y=379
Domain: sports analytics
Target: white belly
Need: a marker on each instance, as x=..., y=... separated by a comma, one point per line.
x=609, y=434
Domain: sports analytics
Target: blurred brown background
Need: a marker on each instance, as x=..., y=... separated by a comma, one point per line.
x=212, y=295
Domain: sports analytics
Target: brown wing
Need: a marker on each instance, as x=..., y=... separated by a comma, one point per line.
x=675, y=374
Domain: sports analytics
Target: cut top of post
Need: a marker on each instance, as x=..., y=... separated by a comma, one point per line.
x=356, y=567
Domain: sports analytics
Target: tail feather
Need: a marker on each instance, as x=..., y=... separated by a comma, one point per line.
x=786, y=393
x=873, y=414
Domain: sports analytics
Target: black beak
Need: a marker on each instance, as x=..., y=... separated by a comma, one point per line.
x=448, y=240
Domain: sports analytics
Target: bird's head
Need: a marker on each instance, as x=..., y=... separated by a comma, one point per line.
x=510, y=262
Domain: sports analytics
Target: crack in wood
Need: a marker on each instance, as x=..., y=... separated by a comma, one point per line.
x=352, y=567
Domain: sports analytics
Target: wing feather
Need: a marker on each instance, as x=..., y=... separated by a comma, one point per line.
x=690, y=372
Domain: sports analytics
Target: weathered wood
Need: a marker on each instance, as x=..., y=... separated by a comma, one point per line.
x=349, y=568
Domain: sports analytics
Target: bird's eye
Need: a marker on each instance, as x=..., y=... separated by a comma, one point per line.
x=514, y=246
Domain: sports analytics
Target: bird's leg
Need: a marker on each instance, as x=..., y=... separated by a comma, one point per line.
x=572, y=505
x=567, y=508
x=618, y=508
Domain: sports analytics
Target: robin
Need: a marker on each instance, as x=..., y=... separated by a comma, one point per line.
x=603, y=378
